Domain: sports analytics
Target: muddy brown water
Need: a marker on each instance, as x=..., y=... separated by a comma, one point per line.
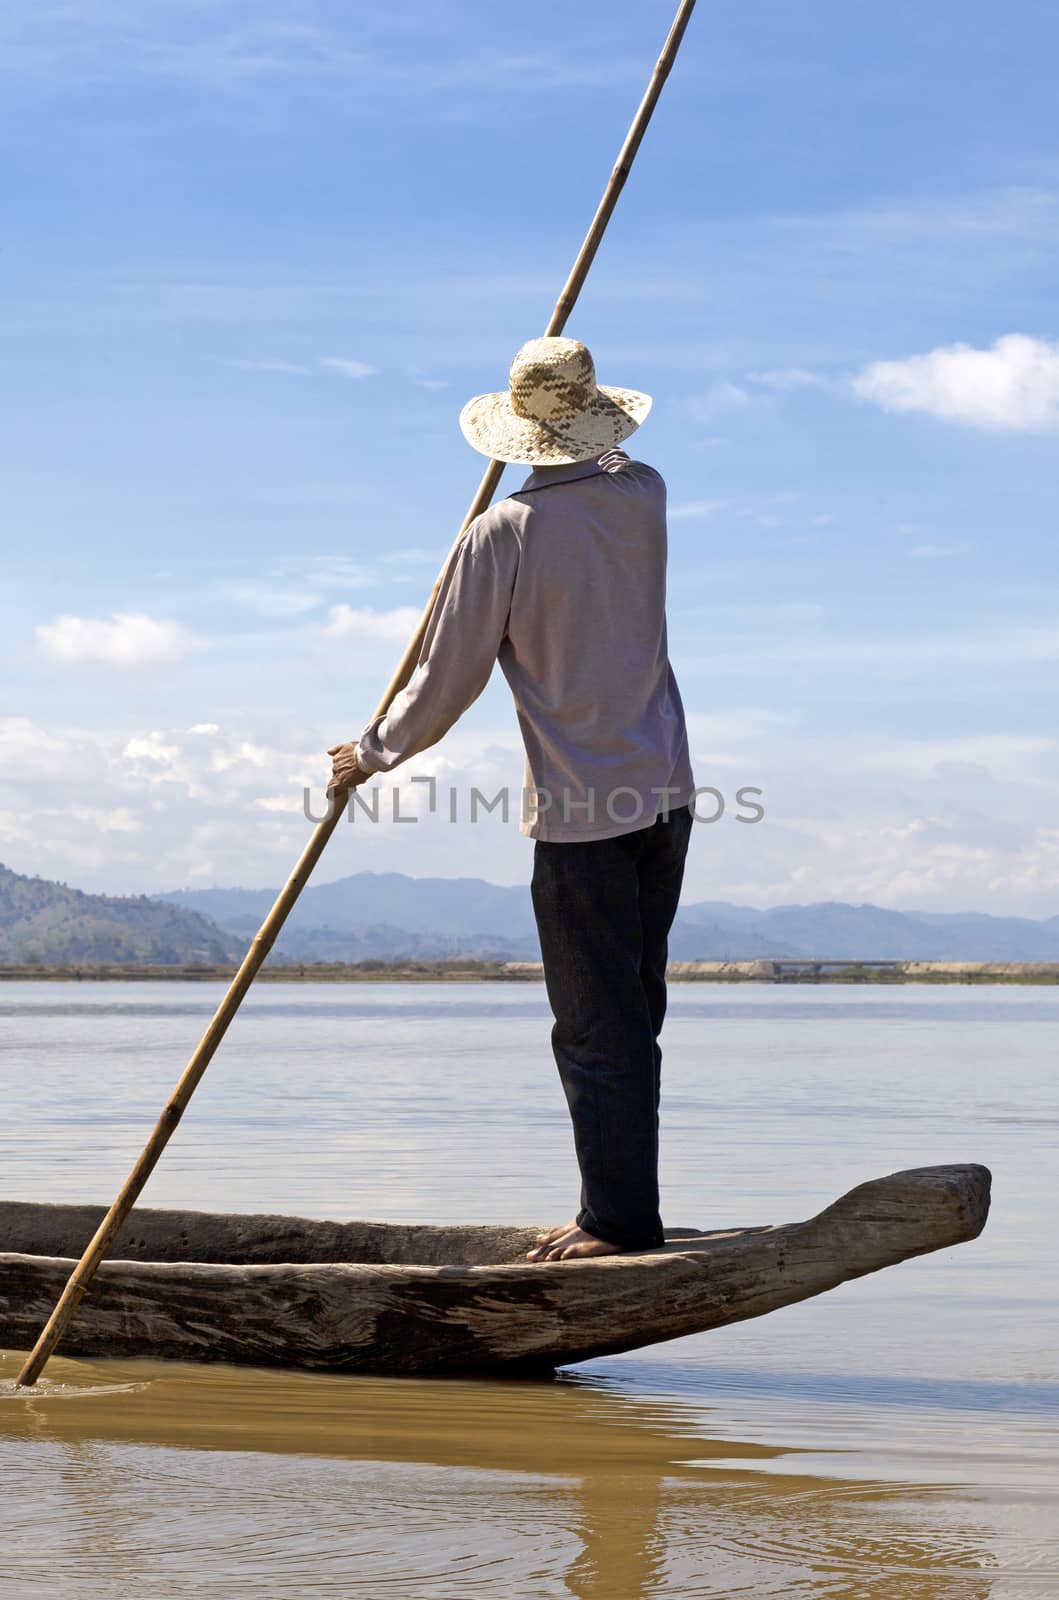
x=896, y=1438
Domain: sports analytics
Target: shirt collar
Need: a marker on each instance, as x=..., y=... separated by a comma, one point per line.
x=543, y=477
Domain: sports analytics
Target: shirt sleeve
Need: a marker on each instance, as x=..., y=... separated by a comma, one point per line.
x=467, y=625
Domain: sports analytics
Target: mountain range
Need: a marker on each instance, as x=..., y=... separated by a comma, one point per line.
x=388, y=916
x=384, y=914
x=44, y=923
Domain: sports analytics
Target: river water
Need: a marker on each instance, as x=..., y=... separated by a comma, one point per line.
x=897, y=1439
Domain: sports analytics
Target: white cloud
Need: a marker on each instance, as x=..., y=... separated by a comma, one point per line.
x=789, y=378
x=152, y=808
x=963, y=771
x=918, y=660
x=118, y=820
x=150, y=747
x=759, y=507
x=156, y=761
x=935, y=551
x=719, y=400
x=415, y=555
x=338, y=572
x=692, y=510
x=288, y=804
x=295, y=590
x=360, y=622
x=981, y=755
x=278, y=599
x=244, y=754
x=778, y=611
x=269, y=366
x=221, y=45
x=128, y=639
x=348, y=369
x=899, y=822
x=1013, y=386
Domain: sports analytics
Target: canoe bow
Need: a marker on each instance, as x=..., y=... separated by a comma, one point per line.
x=369, y=1297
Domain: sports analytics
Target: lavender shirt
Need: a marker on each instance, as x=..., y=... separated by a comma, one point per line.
x=563, y=583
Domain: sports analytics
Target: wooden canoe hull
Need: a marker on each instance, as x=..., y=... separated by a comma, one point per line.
x=366, y=1297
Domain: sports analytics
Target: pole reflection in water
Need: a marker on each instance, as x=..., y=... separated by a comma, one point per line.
x=894, y=1440
x=133, y=1479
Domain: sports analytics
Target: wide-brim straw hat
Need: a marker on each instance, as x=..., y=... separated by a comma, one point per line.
x=553, y=411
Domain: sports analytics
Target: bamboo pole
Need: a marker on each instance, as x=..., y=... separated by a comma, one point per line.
x=112, y=1223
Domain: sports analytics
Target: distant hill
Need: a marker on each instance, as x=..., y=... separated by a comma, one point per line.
x=382, y=916
x=386, y=914
x=453, y=907
x=866, y=932
x=48, y=923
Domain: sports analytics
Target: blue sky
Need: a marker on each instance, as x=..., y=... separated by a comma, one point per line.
x=256, y=257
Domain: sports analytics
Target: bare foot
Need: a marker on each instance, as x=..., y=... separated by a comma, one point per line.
x=572, y=1244
x=551, y=1234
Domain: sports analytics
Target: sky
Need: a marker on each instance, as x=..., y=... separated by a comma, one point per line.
x=255, y=257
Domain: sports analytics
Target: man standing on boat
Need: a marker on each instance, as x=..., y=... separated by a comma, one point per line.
x=563, y=582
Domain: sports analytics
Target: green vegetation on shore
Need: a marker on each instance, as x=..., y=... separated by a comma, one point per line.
x=457, y=970
x=468, y=970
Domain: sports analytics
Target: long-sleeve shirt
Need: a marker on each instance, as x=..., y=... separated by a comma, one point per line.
x=563, y=582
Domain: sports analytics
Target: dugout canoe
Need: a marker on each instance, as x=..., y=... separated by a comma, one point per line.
x=273, y=1291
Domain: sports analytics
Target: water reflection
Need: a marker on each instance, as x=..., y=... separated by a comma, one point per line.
x=893, y=1440
x=131, y=1479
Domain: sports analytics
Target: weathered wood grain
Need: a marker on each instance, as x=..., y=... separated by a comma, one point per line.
x=370, y=1297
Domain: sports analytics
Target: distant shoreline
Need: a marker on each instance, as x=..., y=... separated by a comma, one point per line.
x=471, y=971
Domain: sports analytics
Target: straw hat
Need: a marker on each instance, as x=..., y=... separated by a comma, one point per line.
x=553, y=411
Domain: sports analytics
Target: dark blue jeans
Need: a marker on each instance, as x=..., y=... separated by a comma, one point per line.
x=604, y=910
